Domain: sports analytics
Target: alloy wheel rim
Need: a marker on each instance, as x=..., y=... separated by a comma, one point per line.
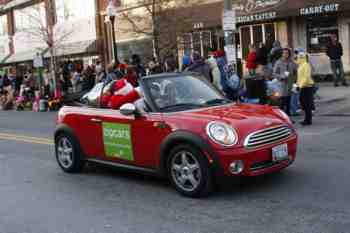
x=185, y=171
x=65, y=152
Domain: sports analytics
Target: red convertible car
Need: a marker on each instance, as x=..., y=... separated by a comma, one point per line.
x=182, y=129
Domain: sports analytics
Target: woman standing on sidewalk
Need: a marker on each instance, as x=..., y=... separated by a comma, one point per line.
x=306, y=86
x=285, y=70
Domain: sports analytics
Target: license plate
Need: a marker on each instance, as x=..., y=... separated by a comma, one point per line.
x=280, y=153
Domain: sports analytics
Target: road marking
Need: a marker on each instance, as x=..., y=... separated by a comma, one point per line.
x=26, y=139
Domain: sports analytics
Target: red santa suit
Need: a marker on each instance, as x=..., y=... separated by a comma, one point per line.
x=124, y=93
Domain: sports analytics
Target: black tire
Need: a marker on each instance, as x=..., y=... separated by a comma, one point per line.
x=77, y=158
x=205, y=183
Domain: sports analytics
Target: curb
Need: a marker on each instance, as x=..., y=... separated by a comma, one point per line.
x=330, y=101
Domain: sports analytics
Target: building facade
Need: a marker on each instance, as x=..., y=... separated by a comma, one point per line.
x=304, y=24
x=28, y=27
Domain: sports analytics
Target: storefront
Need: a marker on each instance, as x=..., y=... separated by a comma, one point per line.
x=296, y=23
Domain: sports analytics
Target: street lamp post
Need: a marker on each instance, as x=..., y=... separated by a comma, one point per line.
x=112, y=14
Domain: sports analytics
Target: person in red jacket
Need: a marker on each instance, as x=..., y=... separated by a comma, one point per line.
x=122, y=93
x=251, y=60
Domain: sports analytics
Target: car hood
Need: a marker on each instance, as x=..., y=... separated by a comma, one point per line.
x=243, y=117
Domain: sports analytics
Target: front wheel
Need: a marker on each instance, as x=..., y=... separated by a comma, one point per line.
x=68, y=153
x=188, y=171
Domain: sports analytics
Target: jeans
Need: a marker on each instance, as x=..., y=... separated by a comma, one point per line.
x=338, y=71
x=285, y=104
x=294, y=103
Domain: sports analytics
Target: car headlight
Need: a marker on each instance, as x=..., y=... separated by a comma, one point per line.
x=222, y=133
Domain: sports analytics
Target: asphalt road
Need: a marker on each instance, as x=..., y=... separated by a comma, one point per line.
x=313, y=195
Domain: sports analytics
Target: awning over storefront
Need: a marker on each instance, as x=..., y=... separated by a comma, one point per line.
x=3, y=59
x=88, y=47
x=21, y=57
x=14, y=3
x=67, y=50
x=262, y=10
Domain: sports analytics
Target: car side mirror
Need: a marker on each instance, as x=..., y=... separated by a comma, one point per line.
x=129, y=109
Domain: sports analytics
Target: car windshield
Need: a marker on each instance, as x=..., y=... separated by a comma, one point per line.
x=183, y=92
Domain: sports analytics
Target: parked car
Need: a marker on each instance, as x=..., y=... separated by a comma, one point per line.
x=182, y=129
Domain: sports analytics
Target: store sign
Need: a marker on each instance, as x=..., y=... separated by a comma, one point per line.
x=256, y=6
x=325, y=8
x=257, y=17
x=262, y=10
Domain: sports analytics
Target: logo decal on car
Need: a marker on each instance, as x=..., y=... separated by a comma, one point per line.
x=117, y=141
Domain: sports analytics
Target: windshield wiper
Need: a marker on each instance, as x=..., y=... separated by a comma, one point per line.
x=184, y=105
x=217, y=101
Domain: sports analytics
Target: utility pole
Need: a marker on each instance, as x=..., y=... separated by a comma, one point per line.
x=229, y=27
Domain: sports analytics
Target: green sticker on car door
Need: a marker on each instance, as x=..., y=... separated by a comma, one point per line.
x=117, y=141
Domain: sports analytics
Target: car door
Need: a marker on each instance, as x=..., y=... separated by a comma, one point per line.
x=131, y=140
x=87, y=127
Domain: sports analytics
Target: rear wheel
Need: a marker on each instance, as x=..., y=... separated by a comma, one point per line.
x=188, y=171
x=68, y=153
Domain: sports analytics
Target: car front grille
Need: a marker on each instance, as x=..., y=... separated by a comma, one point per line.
x=267, y=136
x=266, y=164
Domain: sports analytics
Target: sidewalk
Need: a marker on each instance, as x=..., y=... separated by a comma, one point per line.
x=327, y=93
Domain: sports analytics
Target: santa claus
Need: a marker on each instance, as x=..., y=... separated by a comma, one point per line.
x=121, y=93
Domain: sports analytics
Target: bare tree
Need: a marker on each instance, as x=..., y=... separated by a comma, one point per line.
x=159, y=19
x=41, y=28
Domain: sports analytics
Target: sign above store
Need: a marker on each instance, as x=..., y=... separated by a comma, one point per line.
x=256, y=6
x=325, y=8
x=257, y=17
x=263, y=10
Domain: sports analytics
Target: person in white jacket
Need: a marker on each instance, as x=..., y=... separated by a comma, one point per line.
x=215, y=72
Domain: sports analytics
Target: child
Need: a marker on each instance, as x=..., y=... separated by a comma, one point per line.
x=251, y=60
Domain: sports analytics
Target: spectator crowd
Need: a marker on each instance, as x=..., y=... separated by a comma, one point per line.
x=277, y=76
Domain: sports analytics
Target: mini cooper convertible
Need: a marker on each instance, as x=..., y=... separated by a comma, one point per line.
x=182, y=129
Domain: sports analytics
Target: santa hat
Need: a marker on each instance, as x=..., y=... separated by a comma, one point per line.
x=122, y=87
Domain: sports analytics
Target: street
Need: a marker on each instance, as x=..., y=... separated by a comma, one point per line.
x=313, y=195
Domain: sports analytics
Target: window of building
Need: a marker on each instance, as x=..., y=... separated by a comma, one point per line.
x=256, y=34
x=319, y=31
x=77, y=9
x=32, y=17
x=202, y=41
x=3, y=25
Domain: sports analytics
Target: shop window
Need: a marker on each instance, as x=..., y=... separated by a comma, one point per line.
x=319, y=31
x=257, y=34
x=202, y=41
x=245, y=35
x=196, y=40
x=270, y=35
x=3, y=25
x=206, y=42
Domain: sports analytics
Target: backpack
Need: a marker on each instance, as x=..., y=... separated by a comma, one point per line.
x=232, y=79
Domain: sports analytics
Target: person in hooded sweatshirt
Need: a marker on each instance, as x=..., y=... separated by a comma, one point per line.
x=200, y=66
x=305, y=84
x=214, y=69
